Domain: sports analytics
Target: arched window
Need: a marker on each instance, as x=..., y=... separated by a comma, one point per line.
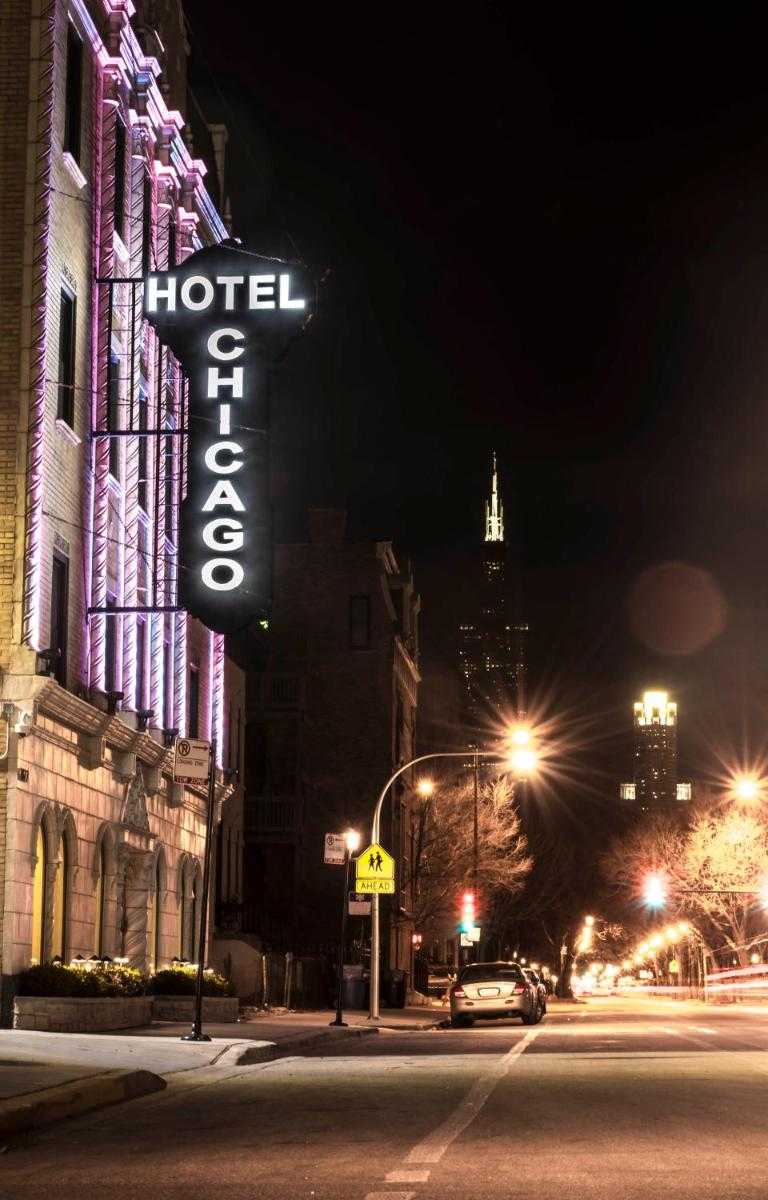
x=38, y=898
x=60, y=893
x=100, y=900
x=191, y=890
x=153, y=923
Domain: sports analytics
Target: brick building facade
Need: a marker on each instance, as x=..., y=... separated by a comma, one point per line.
x=329, y=716
x=101, y=852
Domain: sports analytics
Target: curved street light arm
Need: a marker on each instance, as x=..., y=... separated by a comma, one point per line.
x=375, y=834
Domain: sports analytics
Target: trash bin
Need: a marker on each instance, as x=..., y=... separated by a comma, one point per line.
x=395, y=989
x=354, y=988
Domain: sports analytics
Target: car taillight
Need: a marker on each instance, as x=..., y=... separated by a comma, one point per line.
x=457, y=991
x=519, y=989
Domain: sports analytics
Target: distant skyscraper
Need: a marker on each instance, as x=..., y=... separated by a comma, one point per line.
x=492, y=640
x=655, y=783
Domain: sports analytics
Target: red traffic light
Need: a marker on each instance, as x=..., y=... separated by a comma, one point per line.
x=468, y=921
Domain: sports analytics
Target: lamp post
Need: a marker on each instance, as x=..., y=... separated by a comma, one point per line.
x=489, y=756
x=196, y=1034
x=351, y=844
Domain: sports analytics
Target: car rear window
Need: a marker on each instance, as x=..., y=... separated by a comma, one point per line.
x=479, y=972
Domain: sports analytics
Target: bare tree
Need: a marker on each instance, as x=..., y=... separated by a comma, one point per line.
x=712, y=870
x=443, y=859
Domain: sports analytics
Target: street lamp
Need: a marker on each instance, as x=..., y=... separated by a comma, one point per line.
x=487, y=756
x=425, y=787
x=351, y=846
x=523, y=760
x=746, y=787
x=655, y=891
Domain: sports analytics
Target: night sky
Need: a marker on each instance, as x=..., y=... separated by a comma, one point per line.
x=549, y=239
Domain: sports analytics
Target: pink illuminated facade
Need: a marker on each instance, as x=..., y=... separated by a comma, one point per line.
x=101, y=852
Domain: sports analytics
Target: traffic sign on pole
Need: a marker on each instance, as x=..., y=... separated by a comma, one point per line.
x=375, y=871
x=335, y=850
x=191, y=760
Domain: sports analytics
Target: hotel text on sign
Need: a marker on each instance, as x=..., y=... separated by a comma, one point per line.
x=227, y=316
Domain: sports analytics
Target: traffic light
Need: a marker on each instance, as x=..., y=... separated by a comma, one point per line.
x=467, y=923
x=654, y=891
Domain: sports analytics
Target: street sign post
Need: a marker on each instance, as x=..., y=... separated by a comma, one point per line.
x=375, y=871
x=191, y=761
x=334, y=850
x=359, y=906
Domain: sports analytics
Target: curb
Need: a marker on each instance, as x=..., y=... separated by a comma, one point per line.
x=243, y=1056
x=36, y=1109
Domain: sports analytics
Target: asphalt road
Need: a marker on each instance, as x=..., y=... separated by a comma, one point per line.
x=627, y=1100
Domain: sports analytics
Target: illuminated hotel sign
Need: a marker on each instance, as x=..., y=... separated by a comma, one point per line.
x=226, y=315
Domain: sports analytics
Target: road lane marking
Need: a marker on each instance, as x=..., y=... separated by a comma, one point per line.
x=701, y=1029
x=389, y=1196
x=432, y=1148
x=403, y=1175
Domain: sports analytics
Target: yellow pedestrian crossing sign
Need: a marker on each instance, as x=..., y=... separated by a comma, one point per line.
x=375, y=871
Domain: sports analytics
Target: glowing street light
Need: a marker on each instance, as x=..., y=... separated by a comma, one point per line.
x=655, y=891
x=520, y=736
x=351, y=845
x=589, y=921
x=425, y=787
x=523, y=760
x=746, y=787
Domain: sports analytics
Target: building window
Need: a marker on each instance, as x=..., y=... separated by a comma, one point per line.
x=39, y=899
x=119, y=177
x=359, y=622
x=193, y=703
x=141, y=663
x=146, y=228
x=59, y=616
x=190, y=915
x=153, y=923
x=167, y=685
x=100, y=902
x=65, y=404
x=110, y=648
x=73, y=103
x=113, y=413
x=143, y=450
x=60, y=893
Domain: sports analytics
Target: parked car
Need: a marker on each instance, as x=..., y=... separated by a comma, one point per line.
x=439, y=979
x=492, y=990
x=540, y=985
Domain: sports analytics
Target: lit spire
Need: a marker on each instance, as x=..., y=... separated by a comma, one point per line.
x=494, y=511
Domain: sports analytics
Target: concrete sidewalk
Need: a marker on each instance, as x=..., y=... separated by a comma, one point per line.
x=45, y=1077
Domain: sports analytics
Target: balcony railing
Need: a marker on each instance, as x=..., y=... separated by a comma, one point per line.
x=282, y=691
x=270, y=814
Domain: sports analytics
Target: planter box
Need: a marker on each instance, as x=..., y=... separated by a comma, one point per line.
x=70, y=1014
x=181, y=1008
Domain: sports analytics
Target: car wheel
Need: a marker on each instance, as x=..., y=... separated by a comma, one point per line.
x=533, y=1018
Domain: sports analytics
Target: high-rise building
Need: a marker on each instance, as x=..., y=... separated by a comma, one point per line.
x=492, y=640
x=655, y=782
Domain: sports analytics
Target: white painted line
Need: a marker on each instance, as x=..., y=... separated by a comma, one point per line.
x=432, y=1148
x=403, y=1175
x=389, y=1195
x=701, y=1029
